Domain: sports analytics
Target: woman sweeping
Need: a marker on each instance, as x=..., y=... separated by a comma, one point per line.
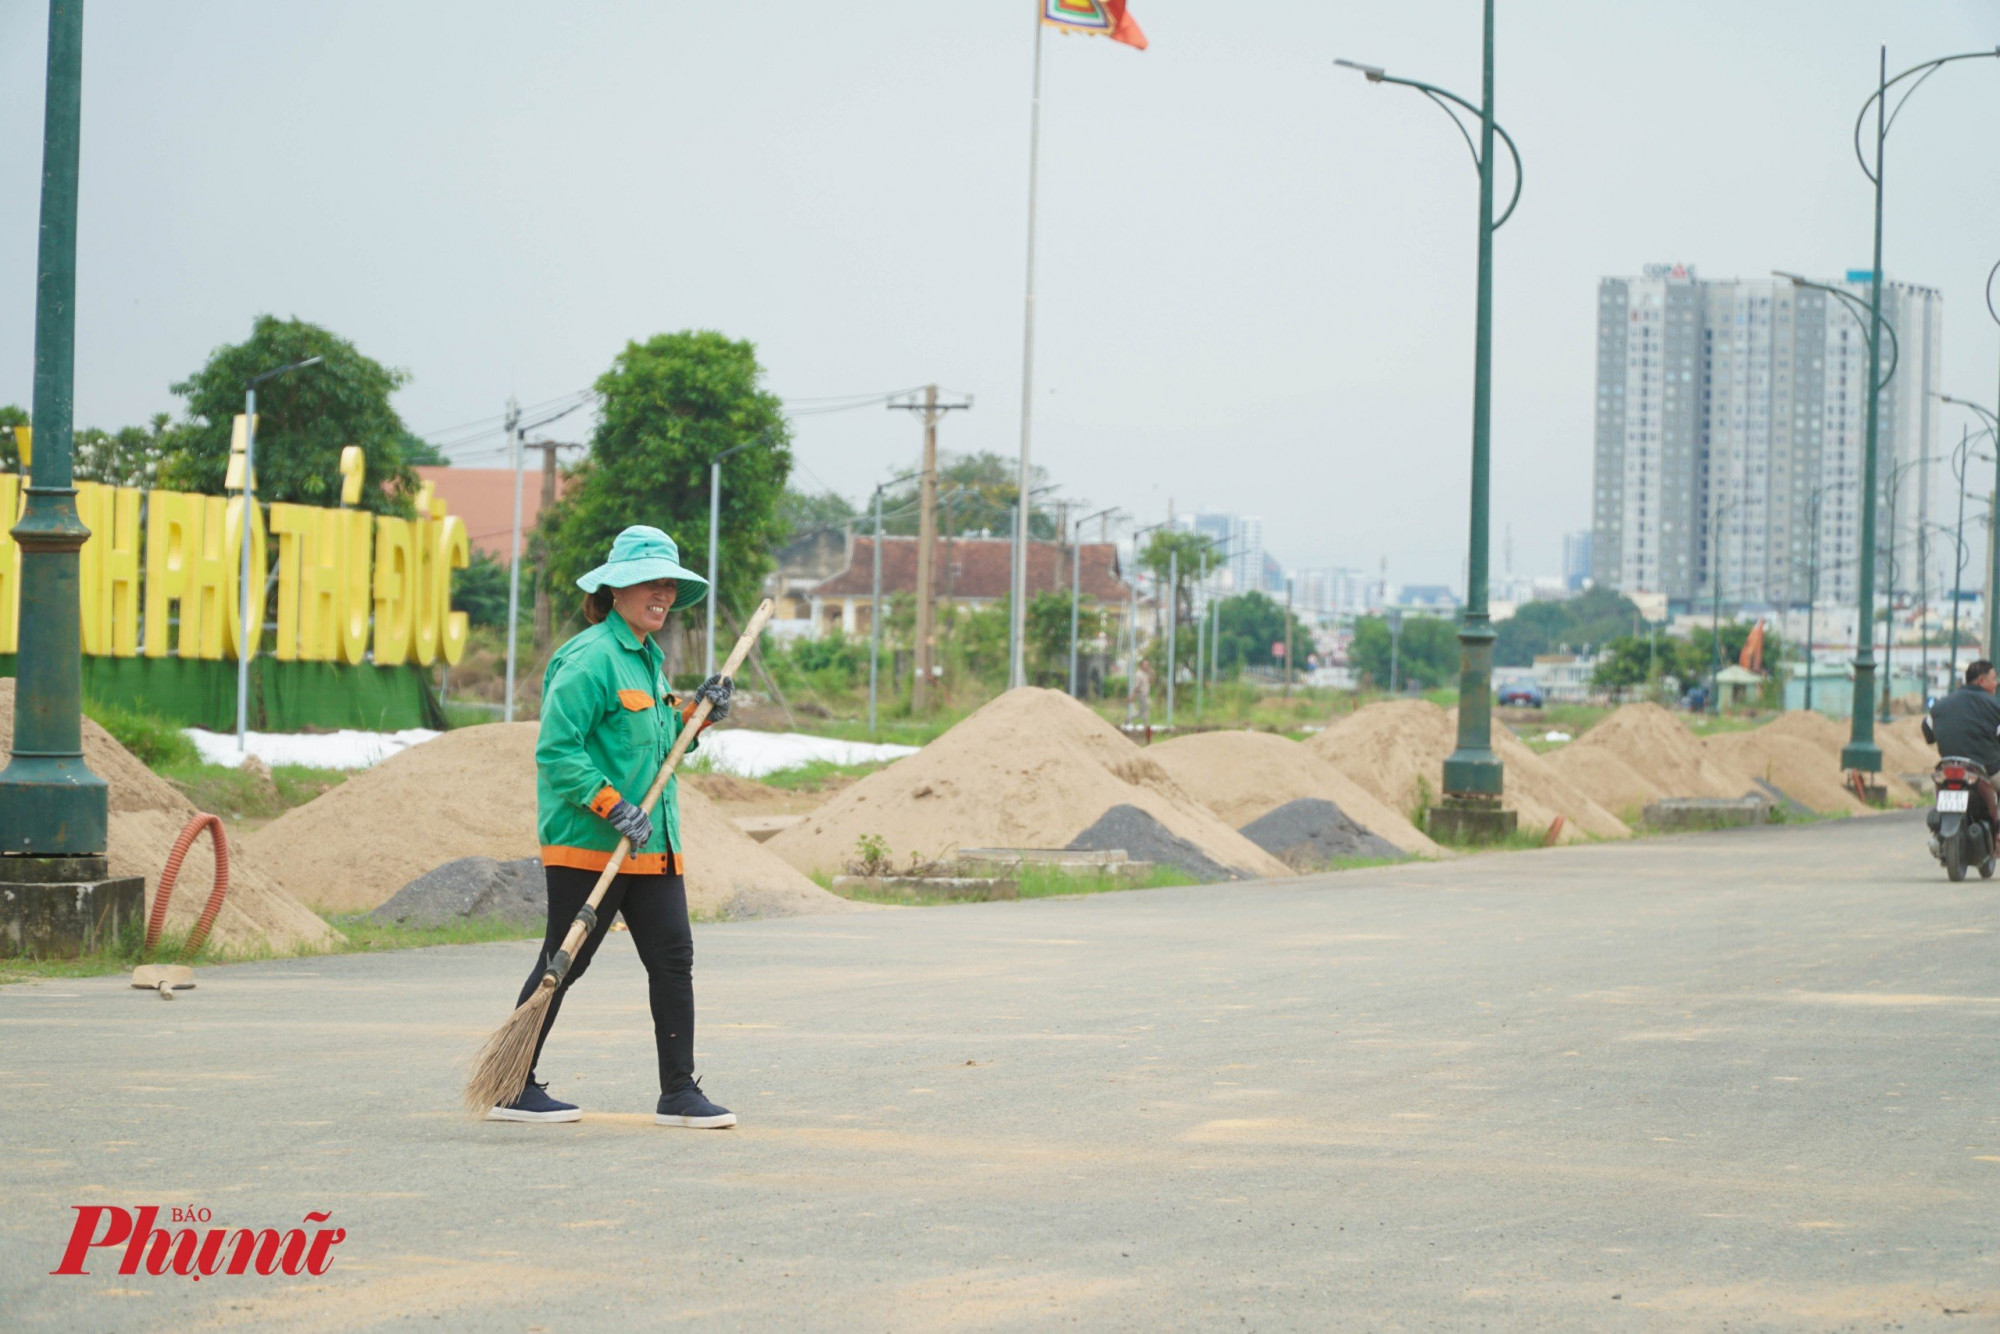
x=608, y=721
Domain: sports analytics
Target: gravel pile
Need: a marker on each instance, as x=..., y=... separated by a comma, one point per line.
x=467, y=888
x=1145, y=839
x=1311, y=833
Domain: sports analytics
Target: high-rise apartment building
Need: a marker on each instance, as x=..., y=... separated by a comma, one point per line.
x=1730, y=417
x=1241, y=540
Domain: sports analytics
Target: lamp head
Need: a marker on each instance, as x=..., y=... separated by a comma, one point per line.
x=1373, y=73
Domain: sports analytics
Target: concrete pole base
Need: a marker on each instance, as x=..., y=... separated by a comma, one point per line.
x=61, y=907
x=1468, y=820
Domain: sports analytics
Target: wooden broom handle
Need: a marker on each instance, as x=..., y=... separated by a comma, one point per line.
x=744, y=643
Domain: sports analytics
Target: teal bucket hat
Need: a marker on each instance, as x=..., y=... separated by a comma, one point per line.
x=641, y=555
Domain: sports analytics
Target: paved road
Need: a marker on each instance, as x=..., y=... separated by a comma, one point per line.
x=1738, y=1080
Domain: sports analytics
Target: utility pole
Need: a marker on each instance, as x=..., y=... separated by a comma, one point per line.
x=513, y=552
x=544, y=627
x=926, y=654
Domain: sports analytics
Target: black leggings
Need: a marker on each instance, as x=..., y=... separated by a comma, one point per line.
x=656, y=913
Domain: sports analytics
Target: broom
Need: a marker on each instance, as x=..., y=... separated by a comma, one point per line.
x=500, y=1070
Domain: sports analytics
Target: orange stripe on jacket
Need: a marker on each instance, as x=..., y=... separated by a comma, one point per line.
x=601, y=804
x=593, y=859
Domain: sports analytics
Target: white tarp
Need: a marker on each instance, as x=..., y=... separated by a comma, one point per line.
x=754, y=754
x=748, y=754
x=321, y=750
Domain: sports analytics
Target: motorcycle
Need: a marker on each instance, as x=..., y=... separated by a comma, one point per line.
x=1960, y=834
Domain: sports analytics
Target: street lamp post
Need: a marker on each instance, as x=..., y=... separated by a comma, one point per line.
x=1861, y=752
x=1076, y=585
x=58, y=896
x=874, y=602
x=51, y=805
x=1993, y=574
x=1889, y=599
x=249, y=609
x=1473, y=773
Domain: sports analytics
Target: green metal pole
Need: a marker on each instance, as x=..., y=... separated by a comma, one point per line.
x=1889, y=598
x=1861, y=752
x=51, y=804
x=1473, y=769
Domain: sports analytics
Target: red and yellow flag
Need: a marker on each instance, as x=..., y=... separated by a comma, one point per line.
x=1094, y=18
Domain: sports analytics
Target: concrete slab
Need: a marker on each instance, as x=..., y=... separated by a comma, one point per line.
x=1745, y=1079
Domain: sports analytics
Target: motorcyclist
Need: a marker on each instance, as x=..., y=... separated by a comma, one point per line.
x=1966, y=723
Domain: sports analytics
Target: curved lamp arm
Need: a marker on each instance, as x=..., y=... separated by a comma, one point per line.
x=1441, y=96
x=1923, y=71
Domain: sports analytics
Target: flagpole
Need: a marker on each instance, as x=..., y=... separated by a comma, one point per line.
x=1016, y=669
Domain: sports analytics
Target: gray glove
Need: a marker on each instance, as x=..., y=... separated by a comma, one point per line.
x=632, y=822
x=716, y=690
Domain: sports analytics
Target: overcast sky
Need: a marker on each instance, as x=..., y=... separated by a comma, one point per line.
x=1256, y=276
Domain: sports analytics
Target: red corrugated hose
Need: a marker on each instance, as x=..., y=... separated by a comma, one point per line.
x=165, y=893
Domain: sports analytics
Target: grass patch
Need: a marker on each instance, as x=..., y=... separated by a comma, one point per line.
x=816, y=775
x=1359, y=863
x=363, y=936
x=156, y=741
x=119, y=956
x=237, y=794
x=458, y=715
x=1034, y=882
x=357, y=935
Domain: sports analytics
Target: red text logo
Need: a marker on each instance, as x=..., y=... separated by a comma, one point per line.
x=192, y=1251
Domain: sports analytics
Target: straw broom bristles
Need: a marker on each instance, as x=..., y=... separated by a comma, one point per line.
x=501, y=1068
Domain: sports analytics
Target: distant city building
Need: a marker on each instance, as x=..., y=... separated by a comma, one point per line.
x=1333, y=591
x=1274, y=577
x=1576, y=560
x=1241, y=538
x=1722, y=406
x=1438, y=596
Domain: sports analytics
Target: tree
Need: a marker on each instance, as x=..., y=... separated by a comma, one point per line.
x=421, y=453
x=1627, y=661
x=1594, y=616
x=1159, y=559
x=1248, y=625
x=801, y=512
x=1048, y=636
x=974, y=491
x=10, y=417
x=305, y=419
x=666, y=408
x=129, y=457
x=1427, y=656
x=480, y=590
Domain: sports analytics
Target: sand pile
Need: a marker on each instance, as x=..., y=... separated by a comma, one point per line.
x=1032, y=769
x=1904, y=750
x=1640, y=754
x=147, y=813
x=471, y=793
x=1242, y=776
x=1396, y=750
x=1827, y=737
x=1800, y=769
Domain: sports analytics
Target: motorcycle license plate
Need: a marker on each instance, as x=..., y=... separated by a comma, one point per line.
x=1953, y=800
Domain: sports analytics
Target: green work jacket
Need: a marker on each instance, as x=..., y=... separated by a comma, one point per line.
x=608, y=721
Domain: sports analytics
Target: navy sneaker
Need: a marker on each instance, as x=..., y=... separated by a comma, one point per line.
x=535, y=1104
x=692, y=1109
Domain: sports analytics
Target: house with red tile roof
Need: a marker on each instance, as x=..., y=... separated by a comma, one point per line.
x=969, y=573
